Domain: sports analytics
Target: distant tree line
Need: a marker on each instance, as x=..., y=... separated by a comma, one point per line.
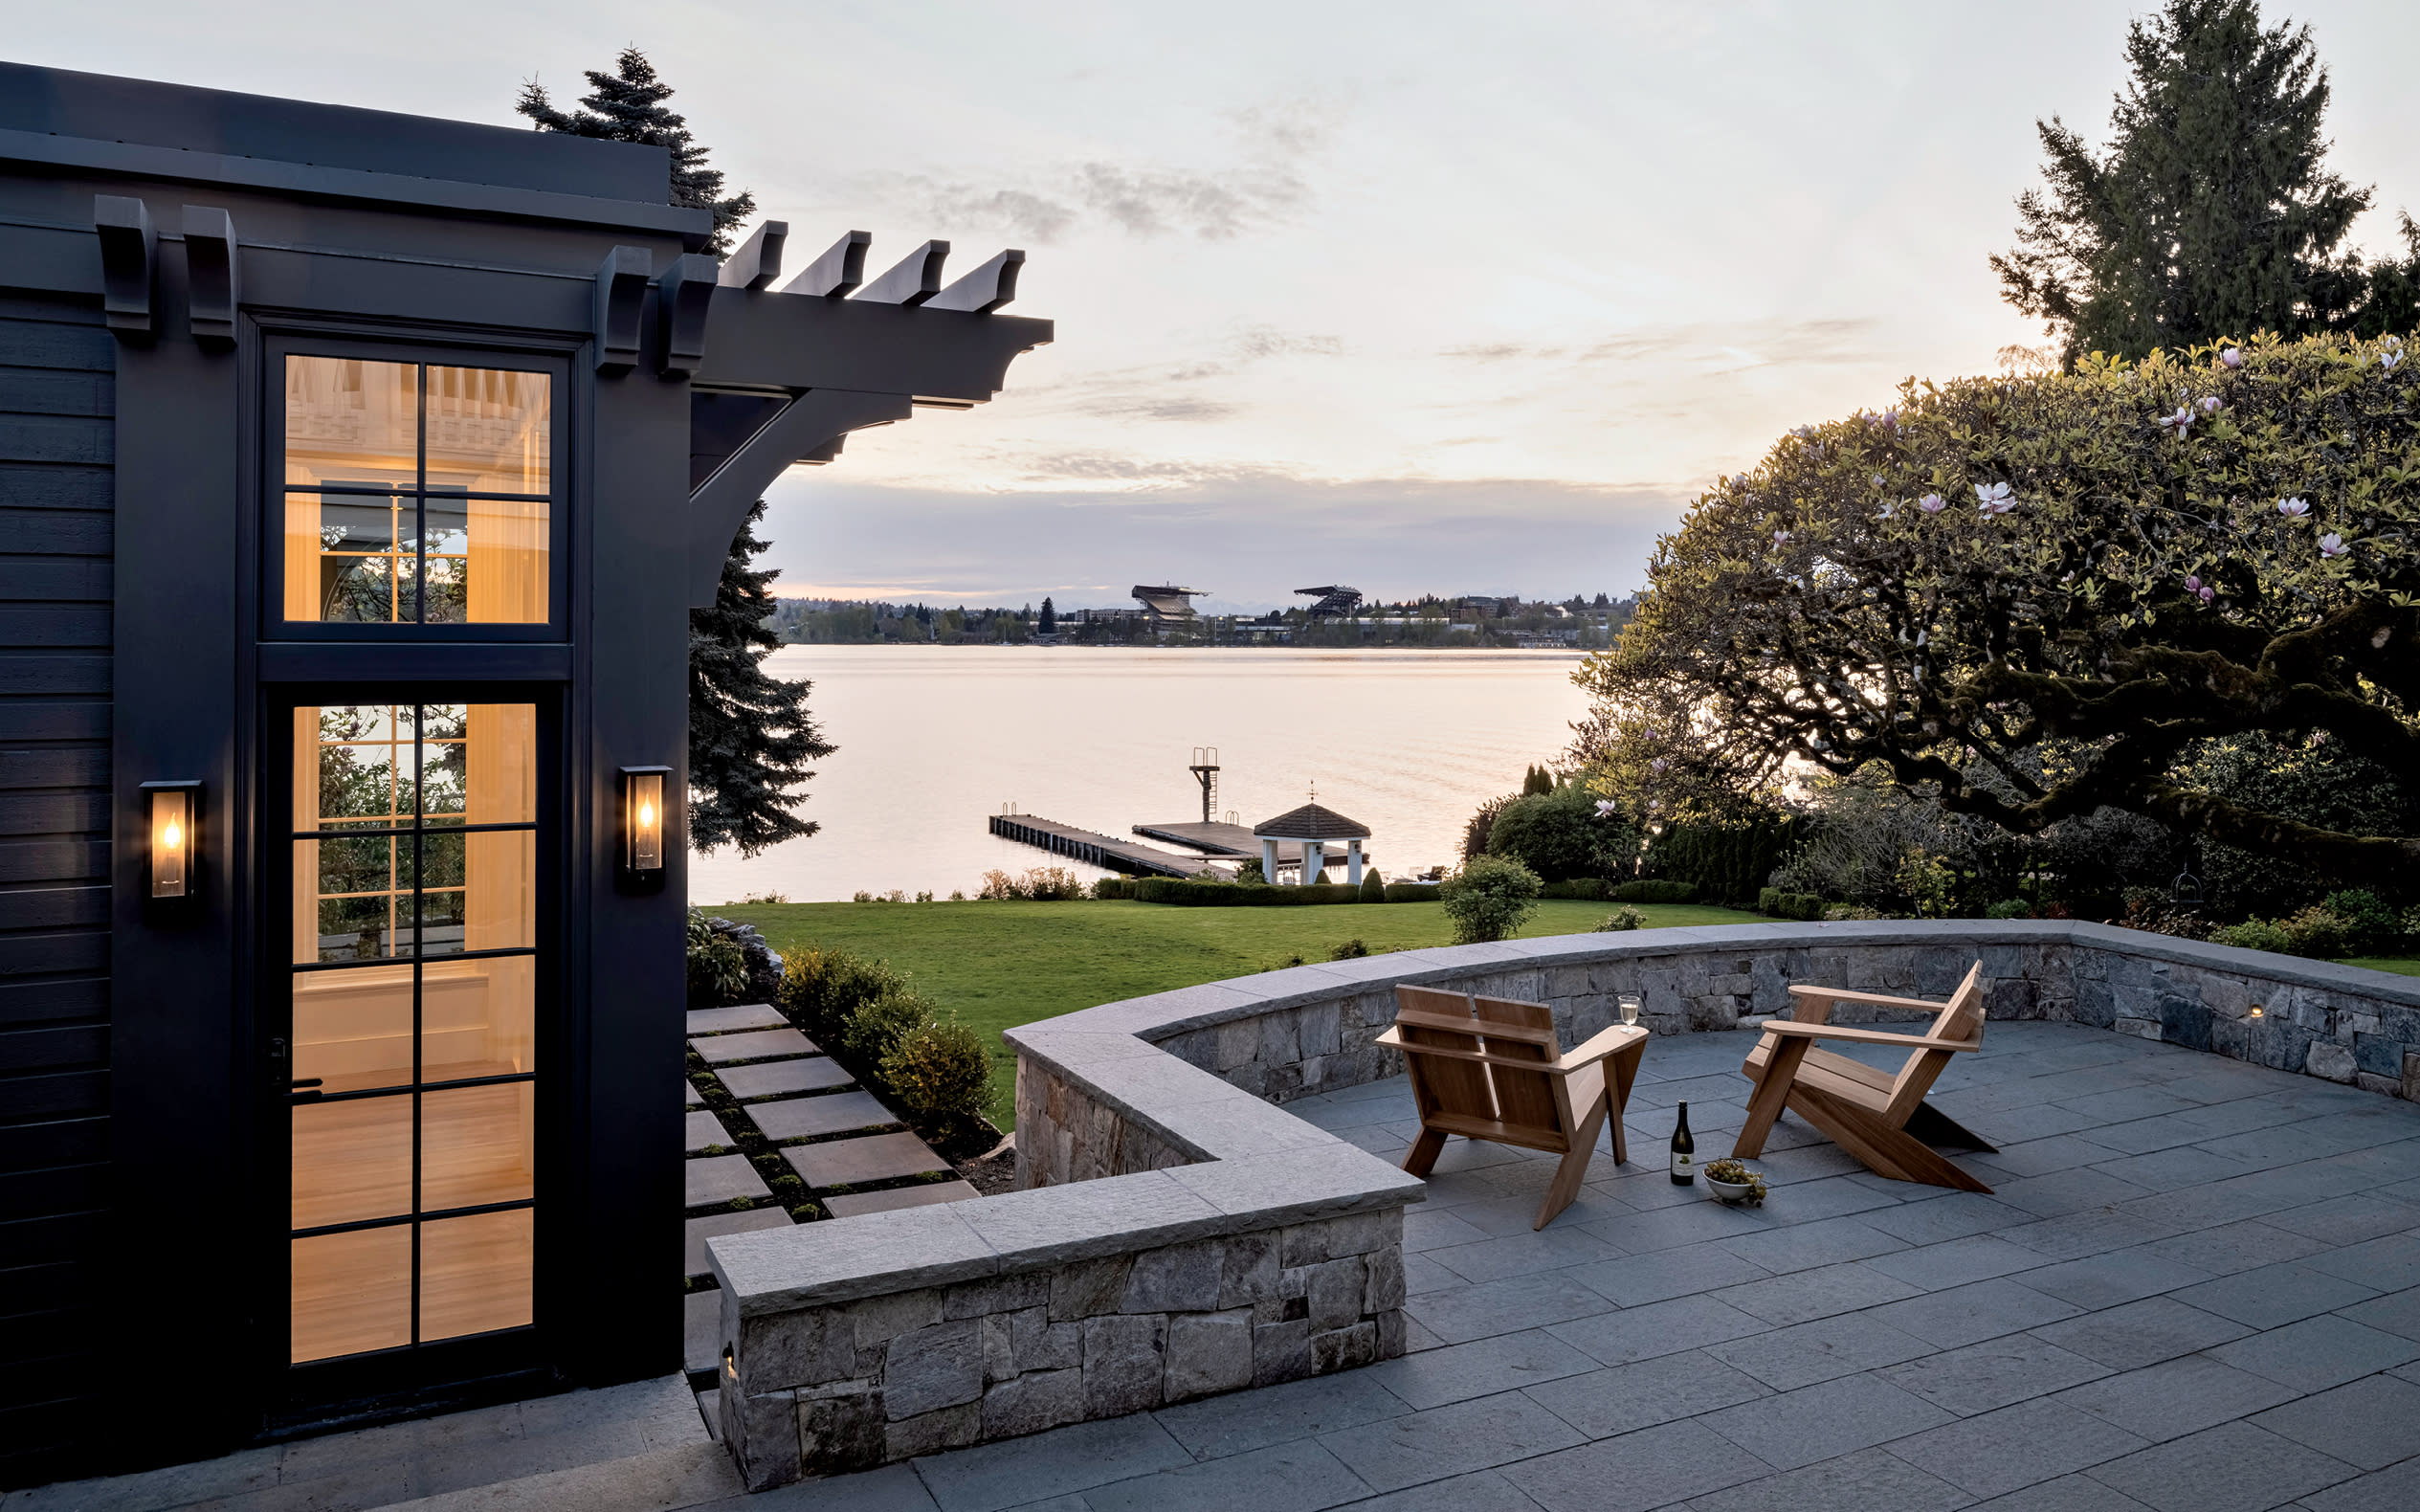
x=1579, y=621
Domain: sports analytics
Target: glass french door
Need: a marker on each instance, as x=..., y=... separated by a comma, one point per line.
x=413, y=978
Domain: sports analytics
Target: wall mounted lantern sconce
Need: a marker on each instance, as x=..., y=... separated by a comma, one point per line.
x=643, y=821
x=175, y=819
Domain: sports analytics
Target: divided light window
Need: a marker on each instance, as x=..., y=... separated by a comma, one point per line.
x=416, y=493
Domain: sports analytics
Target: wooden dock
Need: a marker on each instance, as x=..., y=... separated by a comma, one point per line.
x=1092, y=848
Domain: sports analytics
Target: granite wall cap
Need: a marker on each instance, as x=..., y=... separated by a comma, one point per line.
x=1049, y=1226
x=842, y=1260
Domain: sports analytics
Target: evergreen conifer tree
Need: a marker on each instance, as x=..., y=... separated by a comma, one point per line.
x=1049, y=617
x=628, y=105
x=751, y=742
x=750, y=739
x=2209, y=214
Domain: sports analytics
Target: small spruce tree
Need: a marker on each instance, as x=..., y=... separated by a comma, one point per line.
x=750, y=739
x=751, y=742
x=1049, y=617
x=628, y=105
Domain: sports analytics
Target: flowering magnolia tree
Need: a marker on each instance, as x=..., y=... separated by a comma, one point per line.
x=2038, y=596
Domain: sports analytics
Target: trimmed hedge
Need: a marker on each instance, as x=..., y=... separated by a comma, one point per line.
x=1411, y=892
x=1775, y=904
x=1655, y=890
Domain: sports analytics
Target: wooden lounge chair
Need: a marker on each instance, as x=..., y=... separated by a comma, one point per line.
x=1487, y=1068
x=1880, y=1118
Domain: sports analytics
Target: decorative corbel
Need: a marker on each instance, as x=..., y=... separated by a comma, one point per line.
x=759, y=260
x=621, y=295
x=984, y=289
x=681, y=298
x=129, y=262
x=210, y=274
x=840, y=269
x=916, y=280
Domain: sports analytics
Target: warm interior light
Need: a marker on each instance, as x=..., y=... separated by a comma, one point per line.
x=171, y=841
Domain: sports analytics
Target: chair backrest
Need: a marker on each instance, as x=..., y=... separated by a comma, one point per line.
x=1500, y=1029
x=1442, y=1083
x=1522, y=1097
x=1958, y=1019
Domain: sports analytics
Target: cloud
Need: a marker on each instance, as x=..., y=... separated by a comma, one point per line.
x=1266, y=186
x=1267, y=341
x=1143, y=407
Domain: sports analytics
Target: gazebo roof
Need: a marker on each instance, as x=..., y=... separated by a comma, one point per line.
x=1311, y=822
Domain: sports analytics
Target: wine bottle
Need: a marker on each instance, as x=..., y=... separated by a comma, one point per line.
x=1684, y=1151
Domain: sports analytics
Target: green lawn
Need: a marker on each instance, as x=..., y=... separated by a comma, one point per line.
x=1000, y=964
x=2401, y=965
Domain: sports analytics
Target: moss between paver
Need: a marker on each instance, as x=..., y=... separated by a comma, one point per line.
x=997, y=966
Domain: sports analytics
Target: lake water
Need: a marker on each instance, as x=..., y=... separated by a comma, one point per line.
x=933, y=740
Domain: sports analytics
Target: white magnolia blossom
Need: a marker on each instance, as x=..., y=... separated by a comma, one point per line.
x=2332, y=544
x=1932, y=503
x=1992, y=499
x=2210, y=405
x=2181, y=421
x=2231, y=357
x=1607, y=807
x=2293, y=508
x=2387, y=361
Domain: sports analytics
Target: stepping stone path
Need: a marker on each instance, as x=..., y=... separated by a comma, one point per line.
x=806, y=1095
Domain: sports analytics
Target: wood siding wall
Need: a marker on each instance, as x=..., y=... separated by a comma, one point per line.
x=57, y=367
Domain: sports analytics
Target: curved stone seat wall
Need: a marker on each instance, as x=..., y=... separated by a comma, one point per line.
x=1177, y=1233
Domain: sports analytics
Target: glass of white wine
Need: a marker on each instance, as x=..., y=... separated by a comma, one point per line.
x=1629, y=1008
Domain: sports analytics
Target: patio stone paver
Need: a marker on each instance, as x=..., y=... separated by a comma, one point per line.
x=703, y=1129
x=711, y=1179
x=725, y=1020
x=849, y=1203
x=717, y=1050
x=774, y=1077
x=696, y=1099
x=696, y=1231
x=875, y=1157
x=807, y=1118
x=2149, y=1326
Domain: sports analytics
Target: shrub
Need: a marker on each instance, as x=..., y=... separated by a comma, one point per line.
x=1373, y=888
x=2012, y=908
x=1043, y=884
x=1113, y=887
x=821, y=989
x=1412, y=892
x=1250, y=872
x=2369, y=924
x=1482, y=824
x=1350, y=951
x=2255, y=934
x=718, y=968
x=872, y=1029
x=1775, y=904
x=1559, y=835
x=1655, y=890
x=1622, y=917
x=1729, y=860
x=1586, y=889
x=1489, y=899
x=939, y=1075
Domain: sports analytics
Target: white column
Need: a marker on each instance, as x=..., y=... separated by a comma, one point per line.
x=1268, y=862
x=1353, y=863
x=1314, y=856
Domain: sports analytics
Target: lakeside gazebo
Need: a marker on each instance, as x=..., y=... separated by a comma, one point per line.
x=1314, y=829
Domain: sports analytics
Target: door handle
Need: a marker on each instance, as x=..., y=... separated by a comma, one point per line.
x=296, y=1092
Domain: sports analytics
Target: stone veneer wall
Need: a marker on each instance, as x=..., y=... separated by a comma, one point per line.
x=1177, y=1233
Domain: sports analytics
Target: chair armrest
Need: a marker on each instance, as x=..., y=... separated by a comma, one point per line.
x=1868, y=1036
x=1605, y=1042
x=1842, y=994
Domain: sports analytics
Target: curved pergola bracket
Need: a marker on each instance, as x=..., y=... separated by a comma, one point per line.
x=806, y=428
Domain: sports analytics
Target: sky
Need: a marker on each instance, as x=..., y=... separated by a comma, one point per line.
x=1413, y=297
